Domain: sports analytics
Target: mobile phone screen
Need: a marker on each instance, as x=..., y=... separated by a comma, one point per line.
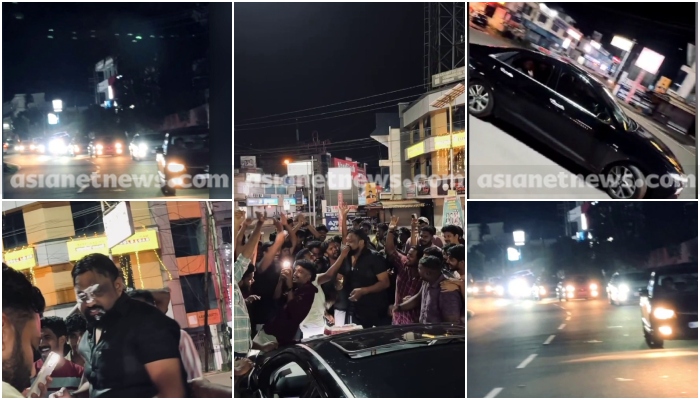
x=45, y=372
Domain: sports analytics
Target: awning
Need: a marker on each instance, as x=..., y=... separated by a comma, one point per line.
x=396, y=204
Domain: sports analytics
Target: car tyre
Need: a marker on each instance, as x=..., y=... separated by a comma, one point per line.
x=167, y=190
x=653, y=341
x=628, y=182
x=480, y=99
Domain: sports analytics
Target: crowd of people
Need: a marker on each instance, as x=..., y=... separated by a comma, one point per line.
x=119, y=342
x=303, y=281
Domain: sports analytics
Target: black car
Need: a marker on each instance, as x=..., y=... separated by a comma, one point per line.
x=578, y=287
x=568, y=110
x=624, y=287
x=106, y=146
x=421, y=361
x=145, y=145
x=183, y=161
x=480, y=20
x=669, y=304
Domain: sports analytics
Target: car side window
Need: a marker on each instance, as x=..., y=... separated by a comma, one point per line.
x=533, y=67
x=575, y=89
x=289, y=380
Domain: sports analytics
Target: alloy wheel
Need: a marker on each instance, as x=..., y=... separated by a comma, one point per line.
x=478, y=98
x=623, y=182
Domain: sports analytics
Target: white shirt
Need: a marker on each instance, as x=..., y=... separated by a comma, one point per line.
x=318, y=308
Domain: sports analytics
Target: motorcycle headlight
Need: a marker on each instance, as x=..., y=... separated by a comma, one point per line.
x=593, y=286
x=663, y=313
x=143, y=147
x=175, y=167
x=543, y=290
x=624, y=288
x=99, y=147
x=118, y=145
x=570, y=288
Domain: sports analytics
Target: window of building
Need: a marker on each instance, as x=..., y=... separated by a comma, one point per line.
x=187, y=235
x=555, y=28
x=13, y=232
x=414, y=132
x=416, y=168
x=193, y=292
x=542, y=18
x=460, y=118
x=87, y=217
x=426, y=126
x=527, y=9
x=226, y=234
x=428, y=166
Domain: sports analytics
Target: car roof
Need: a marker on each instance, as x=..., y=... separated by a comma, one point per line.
x=368, y=360
x=188, y=130
x=684, y=267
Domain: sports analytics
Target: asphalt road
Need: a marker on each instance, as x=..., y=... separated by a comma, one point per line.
x=496, y=148
x=593, y=350
x=139, y=178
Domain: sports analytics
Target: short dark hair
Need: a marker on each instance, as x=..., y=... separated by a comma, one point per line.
x=383, y=226
x=250, y=269
x=322, y=228
x=433, y=251
x=419, y=251
x=431, y=262
x=302, y=233
x=430, y=229
x=307, y=265
x=404, y=231
x=457, y=252
x=56, y=324
x=287, y=244
x=20, y=299
x=358, y=220
x=448, y=246
x=367, y=225
x=141, y=294
x=265, y=247
x=453, y=229
x=360, y=234
x=76, y=323
x=314, y=244
x=302, y=253
x=338, y=239
x=97, y=263
x=273, y=236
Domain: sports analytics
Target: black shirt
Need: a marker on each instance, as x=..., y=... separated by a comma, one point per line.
x=262, y=311
x=133, y=334
x=370, y=307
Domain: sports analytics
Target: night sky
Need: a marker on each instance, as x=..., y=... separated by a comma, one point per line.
x=666, y=28
x=62, y=66
x=290, y=57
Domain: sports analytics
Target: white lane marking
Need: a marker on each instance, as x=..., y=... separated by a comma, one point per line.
x=82, y=188
x=562, y=326
x=568, y=318
x=568, y=313
x=527, y=361
x=549, y=339
x=493, y=393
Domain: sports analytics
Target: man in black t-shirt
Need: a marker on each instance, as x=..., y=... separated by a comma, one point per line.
x=365, y=281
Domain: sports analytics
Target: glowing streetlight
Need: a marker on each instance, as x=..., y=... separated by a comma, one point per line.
x=286, y=161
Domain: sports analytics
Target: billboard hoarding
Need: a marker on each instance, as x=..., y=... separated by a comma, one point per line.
x=118, y=224
x=248, y=162
x=649, y=60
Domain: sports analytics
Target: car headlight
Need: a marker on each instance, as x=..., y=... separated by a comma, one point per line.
x=118, y=145
x=543, y=290
x=475, y=290
x=593, y=286
x=624, y=288
x=176, y=167
x=21, y=148
x=489, y=288
x=76, y=148
x=99, y=147
x=32, y=147
x=663, y=313
x=143, y=147
x=678, y=177
x=569, y=288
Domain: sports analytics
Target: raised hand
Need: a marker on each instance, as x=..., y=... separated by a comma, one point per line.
x=394, y=222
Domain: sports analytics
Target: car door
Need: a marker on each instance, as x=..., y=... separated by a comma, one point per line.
x=581, y=116
x=525, y=95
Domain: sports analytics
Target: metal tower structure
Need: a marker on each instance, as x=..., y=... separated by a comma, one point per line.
x=444, y=33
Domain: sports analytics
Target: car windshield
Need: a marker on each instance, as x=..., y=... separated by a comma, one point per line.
x=156, y=137
x=618, y=112
x=190, y=141
x=634, y=277
x=579, y=279
x=678, y=282
x=106, y=139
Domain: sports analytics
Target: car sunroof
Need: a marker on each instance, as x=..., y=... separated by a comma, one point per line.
x=364, y=344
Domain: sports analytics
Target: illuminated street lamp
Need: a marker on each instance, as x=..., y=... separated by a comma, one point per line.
x=286, y=161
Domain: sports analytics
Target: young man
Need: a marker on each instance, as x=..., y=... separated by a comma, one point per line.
x=435, y=305
x=455, y=262
x=408, y=282
x=76, y=327
x=188, y=352
x=22, y=305
x=280, y=331
x=54, y=336
x=452, y=234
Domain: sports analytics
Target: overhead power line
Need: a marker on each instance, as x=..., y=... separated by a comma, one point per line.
x=330, y=112
x=334, y=104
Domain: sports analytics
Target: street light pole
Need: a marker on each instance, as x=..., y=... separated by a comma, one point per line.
x=313, y=190
x=452, y=158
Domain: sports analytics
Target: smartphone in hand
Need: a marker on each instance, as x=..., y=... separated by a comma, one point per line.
x=45, y=372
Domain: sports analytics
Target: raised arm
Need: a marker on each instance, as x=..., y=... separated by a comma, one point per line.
x=272, y=251
x=249, y=248
x=343, y=213
x=328, y=275
x=414, y=232
x=389, y=246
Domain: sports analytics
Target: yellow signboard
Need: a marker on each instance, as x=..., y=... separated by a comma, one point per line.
x=140, y=241
x=415, y=150
x=371, y=192
x=20, y=259
x=443, y=141
x=79, y=248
